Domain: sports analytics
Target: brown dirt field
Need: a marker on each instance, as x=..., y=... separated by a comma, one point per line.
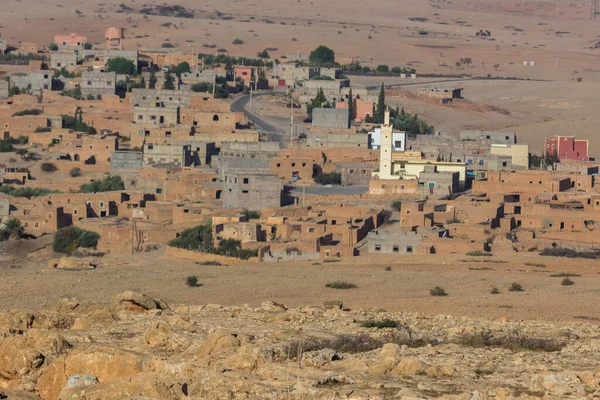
x=405, y=288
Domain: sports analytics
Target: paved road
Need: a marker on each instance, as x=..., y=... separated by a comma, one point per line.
x=422, y=83
x=296, y=191
x=274, y=133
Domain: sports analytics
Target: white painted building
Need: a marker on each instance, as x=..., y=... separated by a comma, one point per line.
x=398, y=140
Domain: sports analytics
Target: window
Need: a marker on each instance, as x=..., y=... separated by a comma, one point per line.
x=293, y=164
x=168, y=133
x=89, y=83
x=101, y=204
x=109, y=83
x=245, y=181
x=470, y=162
x=377, y=247
x=304, y=164
x=480, y=162
x=215, y=117
x=150, y=147
x=396, y=249
x=37, y=225
x=506, y=137
x=153, y=117
x=244, y=191
x=140, y=117
x=504, y=163
x=278, y=165
x=158, y=191
x=409, y=249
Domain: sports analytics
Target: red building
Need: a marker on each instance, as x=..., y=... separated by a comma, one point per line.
x=363, y=108
x=567, y=148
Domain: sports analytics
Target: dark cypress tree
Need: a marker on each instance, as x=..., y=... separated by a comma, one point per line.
x=351, y=110
x=152, y=81
x=380, y=111
x=169, y=81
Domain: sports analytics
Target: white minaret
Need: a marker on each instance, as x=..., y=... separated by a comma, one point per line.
x=386, y=167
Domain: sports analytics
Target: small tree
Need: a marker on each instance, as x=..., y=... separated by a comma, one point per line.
x=351, y=108
x=122, y=66
x=383, y=68
x=152, y=81
x=12, y=229
x=237, y=41
x=321, y=56
x=22, y=153
x=53, y=47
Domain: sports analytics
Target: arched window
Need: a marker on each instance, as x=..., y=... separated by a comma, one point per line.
x=215, y=117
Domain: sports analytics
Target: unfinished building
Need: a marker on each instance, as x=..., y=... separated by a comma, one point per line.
x=96, y=84
x=248, y=184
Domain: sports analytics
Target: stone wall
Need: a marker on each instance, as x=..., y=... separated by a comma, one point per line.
x=202, y=257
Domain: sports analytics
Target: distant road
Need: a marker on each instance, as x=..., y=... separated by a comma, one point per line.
x=422, y=83
x=275, y=134
x=296, y=191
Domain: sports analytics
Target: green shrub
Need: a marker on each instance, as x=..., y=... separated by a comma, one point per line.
x=27, y=192
x=122, y=66
x=332, y=178
x=341, y=285
x=5, y=147
x=211, y=263
x=108, y=184
x=69, y=239
x=33, y=111
x=438, y=291
x=514, y=341
x=40, y=129
x=562, y=252
x=388, y=268
x=386, y=323
x=478, y=254
x=48, y=167
x=564, y=275
x=237, y=41
x=515, y=287
x=12, y=228
x=250, y=214
x=202, y=87
x=396, y=205
x=495, y=290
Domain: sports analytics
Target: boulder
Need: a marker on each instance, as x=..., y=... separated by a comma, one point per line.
x=21, y=354
x=272, y=306
x=132, y=301
x=79, y=380
x=409, y=366
x=387, y=359
x=216, y=344
x=157, y=334
x=105, y=363
x=67, y=305
x=318, y=358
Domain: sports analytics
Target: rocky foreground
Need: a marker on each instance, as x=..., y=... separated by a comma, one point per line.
x=137, y=347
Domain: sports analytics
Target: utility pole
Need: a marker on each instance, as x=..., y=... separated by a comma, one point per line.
x=291, y=119
x=251, y=82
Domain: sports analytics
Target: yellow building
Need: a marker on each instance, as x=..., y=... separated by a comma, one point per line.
x=519, y=153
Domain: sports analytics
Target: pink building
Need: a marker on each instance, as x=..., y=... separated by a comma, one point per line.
x=567, y=148
x=245, y=73
x=363, y=108
x=71, y=40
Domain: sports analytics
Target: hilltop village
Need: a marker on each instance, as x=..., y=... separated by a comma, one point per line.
x=121, y=151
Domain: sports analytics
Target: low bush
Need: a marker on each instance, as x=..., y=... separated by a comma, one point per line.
x=192, y=281
x=214, y=263
x=332, y=178
x=388, y=268
x=495, y=290
x=478, y=254
x=396, y=205
x=27, y=192
x=386, y=323
x=76, y=171
x=48, y=167
x=341, y=285
x=438, y=291
x=515, y=287
x=108, y=184
x=567, y=282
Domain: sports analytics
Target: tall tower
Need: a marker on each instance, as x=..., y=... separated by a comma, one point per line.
x=386, y=165
x=595, y=9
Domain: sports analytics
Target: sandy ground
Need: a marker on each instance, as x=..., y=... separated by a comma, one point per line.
x=428, y=35
x=26, y=283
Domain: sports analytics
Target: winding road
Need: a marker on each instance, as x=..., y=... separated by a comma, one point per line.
x=273, y=133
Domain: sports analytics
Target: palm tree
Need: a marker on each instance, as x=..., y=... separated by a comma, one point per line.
x=12, y=229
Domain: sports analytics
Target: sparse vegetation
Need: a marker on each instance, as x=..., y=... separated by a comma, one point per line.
x=438, y=291
x=237, y=41
x=388, y=268
x=26, y=191
x=563, y=252
x=514, y=341
x=479, y=254
x=341, y=285
x=122, y=66
x=33, y=111
x=210, y=263
x=495, y=290
x=396, y=205
x=564, y=275
x=250, y=214
x=12, y=229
